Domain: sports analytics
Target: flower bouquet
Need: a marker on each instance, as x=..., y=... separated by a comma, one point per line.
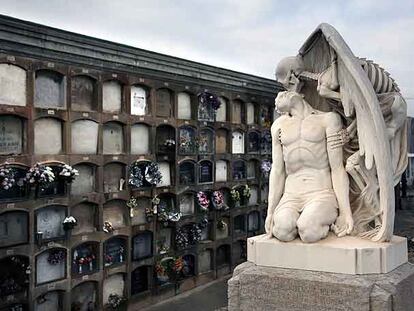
x=132, y=204
x=217, y=199
x=68, y=173
x=115, y=301
x=152, y=174
x=221, y=225
x=265, y=167
x=7, y=177
x=203, y=201
x=235, y=197
x=56, y=257
x=40, y=175
x=210, y=99
x=246, y=192
x=69, y=223
x=136, y=179
x=107, y=227
x=169, y=143
x=165, y=212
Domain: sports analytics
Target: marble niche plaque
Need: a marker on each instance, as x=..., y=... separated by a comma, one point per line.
x=49, y=301
x=50, y=89
x=206, y=172
x=138, y=101
x=113, y=285
x=221, y=141
x=49, y=221
x=113, y=138
x=114, y=211
x=222, y=233
x=13, y=228
x=140, y=139
x=84, y=296
x=237, y=112
x=52, y=129
x=111, y=96
x=237, y=142
x=83, y=93
x=250, y=113
x=221, y=171
x=11, y=135
x=85, y=214
x=47, y=272
x=12, y=85
x=165, y=171
x=221, y=113
x=187, y=204
x=114, y=173
x=184, y=106
x=142, y=245
x=187, y=173
x=84, y=137
x=204, y=261
x=164, y=103
x=223, y=255
x=85, y=182
x=253, y=196
x=139, y=217
x=253, y=221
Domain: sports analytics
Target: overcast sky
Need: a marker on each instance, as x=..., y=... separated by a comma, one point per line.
x=245, y=35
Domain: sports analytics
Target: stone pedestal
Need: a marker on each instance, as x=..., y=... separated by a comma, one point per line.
x=255, y=287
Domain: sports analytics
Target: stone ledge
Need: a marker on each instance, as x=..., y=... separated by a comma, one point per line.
x=349, y=255
x=263, y=288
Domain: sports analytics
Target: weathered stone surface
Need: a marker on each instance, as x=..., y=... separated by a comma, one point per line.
x=261, y=288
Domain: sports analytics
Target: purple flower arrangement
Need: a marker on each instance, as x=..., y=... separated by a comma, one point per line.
x=210, y=99
x=56, y=257
x=203, y=200
x=218, y=199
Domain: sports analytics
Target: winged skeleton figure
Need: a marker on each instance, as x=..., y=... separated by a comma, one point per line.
x=374, y=141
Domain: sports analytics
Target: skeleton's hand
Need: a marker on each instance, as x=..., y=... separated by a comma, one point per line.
x=344, y=225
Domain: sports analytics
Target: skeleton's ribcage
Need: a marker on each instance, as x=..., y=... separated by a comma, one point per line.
x=380, y=79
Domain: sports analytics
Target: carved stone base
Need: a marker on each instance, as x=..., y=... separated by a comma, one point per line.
x=254, y=287
x=349, y=255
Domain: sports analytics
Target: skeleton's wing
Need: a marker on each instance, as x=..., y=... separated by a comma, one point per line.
x=359, y=100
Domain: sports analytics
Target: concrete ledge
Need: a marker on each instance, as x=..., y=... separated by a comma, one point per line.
x=262, y=288
x=349, y=255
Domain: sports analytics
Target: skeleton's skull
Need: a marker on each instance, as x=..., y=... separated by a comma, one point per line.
x=288, y=70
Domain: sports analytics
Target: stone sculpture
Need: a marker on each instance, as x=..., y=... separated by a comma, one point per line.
x=339, y=146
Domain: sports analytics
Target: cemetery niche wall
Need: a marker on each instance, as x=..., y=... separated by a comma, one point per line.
x=125, y=152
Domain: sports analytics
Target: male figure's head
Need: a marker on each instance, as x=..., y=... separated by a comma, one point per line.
x=287, y=100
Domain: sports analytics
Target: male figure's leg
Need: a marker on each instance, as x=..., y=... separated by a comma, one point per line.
x=284, y=224
x=316, y=218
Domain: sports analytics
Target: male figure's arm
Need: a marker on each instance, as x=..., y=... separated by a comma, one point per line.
x=277, y=176
x=344, y=223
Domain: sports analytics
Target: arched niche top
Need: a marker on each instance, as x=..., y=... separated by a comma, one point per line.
x=164, y=103
x=139, y=100
x=184, y=109
x=83, y=93
x=51, y=128
x=84, y=134
x=112, y=96
x=50, y=89
x=13, y=88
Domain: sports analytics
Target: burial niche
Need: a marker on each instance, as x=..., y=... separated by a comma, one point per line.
x=18, y=190
x=115, y=211
x=163, y=243
x=142, y=245
x=84, y=137
x=14, y=279
x=164, y=103
x=239, y=224
x=253, y=221
x=266, y=142
x=139, y=100
x=205, y=143
x=115, y=251
x=83, y=97
x=49, y=89
x=250, y=113
x=165, y=170
x=114, y=177
x=139, y=216
x=237, y=111
x=184, y=106
x=84, y=296
x=264, y=193
x=12, y=135
x=237, y=142
x=221, y=141
x=140, y=279
x=206, y=232
x=187, y=203
x=14, y=228
x=266, y=116
x=165, y=138
x=12, y=85
x=140, y=139
x=239, y=170
x=253, y=142
x=86, y=216
x=111, y=96
x=221, y=171
x=205, y=111
x=50, y=265
x=52, y=129
x=189, y=265
x=187, y=173
x=206, y=172
x=114, y=284
x=113, y=138
x=52, y=300
x=54, y=188
x=221, y=112
x=187, y=136
x=49, y=221
x=223, y=256
x=252, y=166
x=205, y=261
x=85, y=258
x=85, y=182
x=222, y=228
x=254, y=196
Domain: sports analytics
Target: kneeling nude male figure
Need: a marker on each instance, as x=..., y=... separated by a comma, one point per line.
x=309, y=187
